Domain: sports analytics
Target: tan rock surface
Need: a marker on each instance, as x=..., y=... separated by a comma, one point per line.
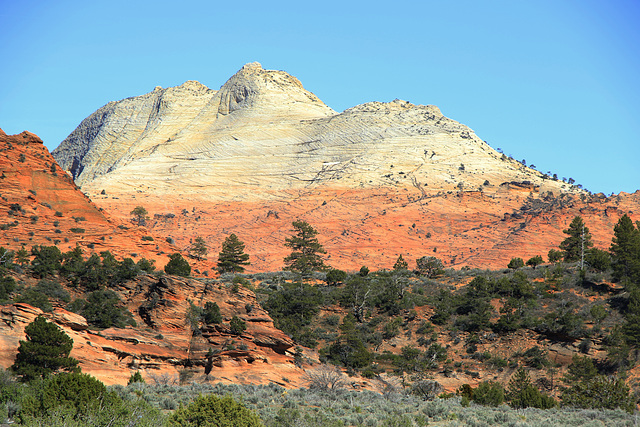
x=262, y=133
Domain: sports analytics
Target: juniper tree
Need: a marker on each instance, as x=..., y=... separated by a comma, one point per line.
x=305, y=255
x=177, y=265
x=45, y=351
x=579, y=240
x=625, y=251
x=535, y=261
x=232, y=258
x=140, y=215
x=199, y=248
x=400, y=264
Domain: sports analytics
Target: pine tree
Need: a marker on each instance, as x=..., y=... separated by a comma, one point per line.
x=22, y=256
x=45, y=351
x=521, y=393
x=400, y=264
x=140, y=215
x=535, y=261
x=232, y=257
x=199, y=248
x=305, y=255
x=177, y=265
x=579, y=240
x=625, y=251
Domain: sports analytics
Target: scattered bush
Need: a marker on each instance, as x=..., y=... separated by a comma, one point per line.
x=214, y=411
x=177, y=265
x=237, y=325
x=515, y=263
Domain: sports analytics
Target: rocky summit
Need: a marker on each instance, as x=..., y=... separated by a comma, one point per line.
x=262, y=133
x=377, y=180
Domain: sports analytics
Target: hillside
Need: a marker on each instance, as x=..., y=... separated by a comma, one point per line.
x=377, y=180
x=41, y=205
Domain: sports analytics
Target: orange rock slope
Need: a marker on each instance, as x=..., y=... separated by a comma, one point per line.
x=371, y=227
x=41, y=205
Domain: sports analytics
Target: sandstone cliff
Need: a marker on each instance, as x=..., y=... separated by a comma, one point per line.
x=262, y=133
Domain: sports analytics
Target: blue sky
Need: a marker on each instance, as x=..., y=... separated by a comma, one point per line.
x=556, y=83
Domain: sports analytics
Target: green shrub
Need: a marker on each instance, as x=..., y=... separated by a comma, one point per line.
x=237, y=325
x=77, y=230
x=35, y=299
x=177, y=265
x=335, y=277
x=521, y=393
x=136, y=377
x=103, y=309
x=52, y=290
x=146, y=265
x=46, y=261
x=214, y=411
x=7, y=285
x=74, y=391
x=515, y=263
x=211, y=313
x=489, y=393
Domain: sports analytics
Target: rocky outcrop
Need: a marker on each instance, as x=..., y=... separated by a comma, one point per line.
x=262, y=132
x=164, y=343
x=41, y=205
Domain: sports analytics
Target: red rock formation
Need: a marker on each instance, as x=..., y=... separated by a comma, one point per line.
x=373, y=226
x=49, y=209
x=164, y=344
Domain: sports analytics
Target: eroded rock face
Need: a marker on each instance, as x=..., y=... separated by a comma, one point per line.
x=41, y=205
x=262, y=132
x=164, y=343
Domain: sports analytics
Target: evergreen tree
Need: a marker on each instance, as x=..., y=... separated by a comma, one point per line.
x=521, y=393
x=305, y=255
x=535, y=261
x=579, y=240
x=587, y=389
x=554, y=256
x=400, y=264
x=199, y=248
x=515, y=263
x=103, y=309
x=22, y=256
x=625, y=251
x=46, y=261
x=45, y=351
x=177, y=265
x=232, y=258
x=140, y=215
x=429, y=266
x=7, y=285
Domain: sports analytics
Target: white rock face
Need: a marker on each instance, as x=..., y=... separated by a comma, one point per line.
x=262, y=133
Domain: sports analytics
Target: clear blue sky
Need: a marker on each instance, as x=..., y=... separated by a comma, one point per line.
x=554, y=82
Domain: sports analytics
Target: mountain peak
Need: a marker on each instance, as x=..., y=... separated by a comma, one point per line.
x=252, y=66
x=255, y=91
